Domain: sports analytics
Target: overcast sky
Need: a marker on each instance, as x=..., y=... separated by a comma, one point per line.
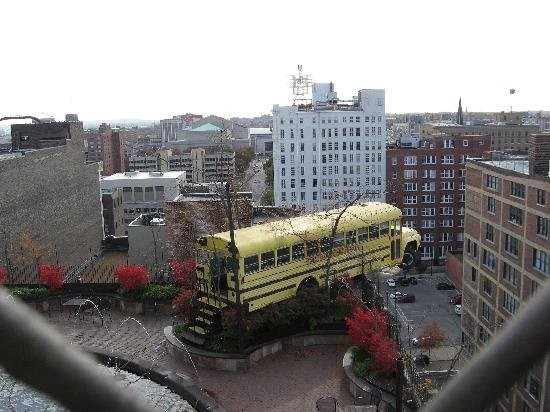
x=154, y=59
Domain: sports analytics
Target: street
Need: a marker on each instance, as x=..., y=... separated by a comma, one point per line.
x=254, y=179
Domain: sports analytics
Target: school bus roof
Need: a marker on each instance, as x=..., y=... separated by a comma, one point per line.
x=270, y=236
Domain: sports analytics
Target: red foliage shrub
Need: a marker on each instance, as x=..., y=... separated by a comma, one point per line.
x=183, y=304
x=184, y=273
x=368, y=330
x=51, y=276
x=3, y=275
x=350, y=301
x=131, y=277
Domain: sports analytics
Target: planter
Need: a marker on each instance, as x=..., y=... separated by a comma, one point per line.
x=190, y=352
x=358, y=386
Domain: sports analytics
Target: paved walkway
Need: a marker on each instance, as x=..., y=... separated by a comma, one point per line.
x=283, y=382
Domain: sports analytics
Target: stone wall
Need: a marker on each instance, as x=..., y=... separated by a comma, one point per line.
x=52, y=195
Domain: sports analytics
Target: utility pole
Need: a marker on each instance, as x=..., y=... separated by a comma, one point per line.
x=235, y=269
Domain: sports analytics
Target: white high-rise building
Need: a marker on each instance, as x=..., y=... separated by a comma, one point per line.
x=327, y=152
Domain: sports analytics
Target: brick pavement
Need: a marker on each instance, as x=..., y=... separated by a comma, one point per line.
x=283, y=382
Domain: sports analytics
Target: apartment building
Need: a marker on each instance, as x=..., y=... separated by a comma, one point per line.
x=105, y=145
x=427, y=183
x=507, y=257
x=200, y=165
x=169, y=128
x=329, y=151
x=507, y=133
x=144, y=192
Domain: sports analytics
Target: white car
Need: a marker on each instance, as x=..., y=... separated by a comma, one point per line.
x=458, y=309
x=391, y=283
x=396, y=295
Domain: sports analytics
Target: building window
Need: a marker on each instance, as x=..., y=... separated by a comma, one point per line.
x=541, y=261
x=483, y=335
x=515, y=215
x=510, y=274
x=511, y=244
x=487, y=286
x=491, y=182
x=542, y=226
x=489, y=232
x=541, y=198
x=465, y=143
x=410, y=160
x=517, y=190
x=491, y=205
x=473, y=274
x=532, y=386
x=509, y=303
x=489, y=260
x=485, y=311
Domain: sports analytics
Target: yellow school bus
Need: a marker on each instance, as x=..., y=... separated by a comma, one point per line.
x=277, y=259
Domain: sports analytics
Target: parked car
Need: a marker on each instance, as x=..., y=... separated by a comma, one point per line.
x=406, y=281
x=396, y=295
x=456, y=299
x=458, y=309
x=417, y=341
x=445, y=286
x=406, y=298
x=391, y=283
x=422, y=360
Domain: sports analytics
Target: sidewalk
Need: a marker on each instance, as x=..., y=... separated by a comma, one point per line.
x=283, y=382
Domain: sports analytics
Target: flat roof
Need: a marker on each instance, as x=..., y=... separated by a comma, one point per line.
x=144, y=175
x=516, y=165
x=260, y=130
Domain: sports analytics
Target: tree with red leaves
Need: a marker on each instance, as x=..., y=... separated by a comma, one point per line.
x=183, y=304
x=51, y=276
x=184, y=273
x=3, y=275
x=131, y=277
x=369, y=331
x=431, y=335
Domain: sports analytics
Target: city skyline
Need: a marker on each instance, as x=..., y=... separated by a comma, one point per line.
x=130, y=60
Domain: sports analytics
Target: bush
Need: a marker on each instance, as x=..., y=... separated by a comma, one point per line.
x=131, y=277
x=369, y=331
x=153, y=292
x=184, y=273
x=184, y=303
x=51, y=276
x=27, y=294
x=3, y=275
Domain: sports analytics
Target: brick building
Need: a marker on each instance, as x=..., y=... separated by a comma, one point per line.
x=113, y=215
x=105, y=145
x=507, y=257
x=506, y=134
x=49, y=194
x=427, y=184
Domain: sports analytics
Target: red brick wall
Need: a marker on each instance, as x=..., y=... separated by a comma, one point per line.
x=453, y=267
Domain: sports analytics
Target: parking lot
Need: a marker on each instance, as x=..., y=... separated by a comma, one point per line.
x=430, y=304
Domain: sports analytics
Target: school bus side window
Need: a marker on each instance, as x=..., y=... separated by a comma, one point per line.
x=325, y=244
x=283, y=256
x=251, y=264
x=268, y=260
x=297, y=252
x=312, y=248
x=363, y=234
x=384, y=229
x=373, y=232
x=339, y=240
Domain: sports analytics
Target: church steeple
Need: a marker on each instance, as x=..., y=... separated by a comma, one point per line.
x=459, y=116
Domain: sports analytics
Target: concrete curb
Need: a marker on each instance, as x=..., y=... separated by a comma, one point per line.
x=196, y=397
x=189, y=353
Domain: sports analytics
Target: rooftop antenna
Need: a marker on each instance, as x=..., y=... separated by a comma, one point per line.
x=301, y=84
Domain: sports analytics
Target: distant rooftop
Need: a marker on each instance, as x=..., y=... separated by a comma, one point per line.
x=520, y=165
x=144, y=175
x=260, y=130
x=207, y=127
